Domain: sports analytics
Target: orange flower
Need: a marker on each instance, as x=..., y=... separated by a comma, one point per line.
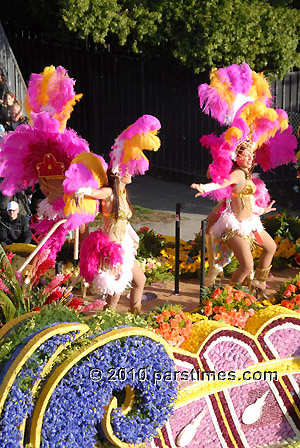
x=173, y=323
x=208, y=311
x=287, y=304
x=287, y=293
x=164, y=326
x=297, y=299
x=217, y=317
x=229, y=288
x=248, y=301
x=291, y=288
x=166, y=314
x=238, y=295
x=216, y=293
x=229, y=299
x=222, y=309
x=208, y=303
x=159, y=319
x=216, y=309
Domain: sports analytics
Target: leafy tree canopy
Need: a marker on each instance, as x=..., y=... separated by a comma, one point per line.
x=199, y=33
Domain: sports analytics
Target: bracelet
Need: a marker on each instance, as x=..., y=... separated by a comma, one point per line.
x=87, y=191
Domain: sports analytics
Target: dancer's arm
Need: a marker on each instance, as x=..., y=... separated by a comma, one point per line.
x=235, y=177
x=102, y=193
x=262, y=211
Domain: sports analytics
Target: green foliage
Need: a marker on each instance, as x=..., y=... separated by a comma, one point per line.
x=151, y=243
x=125, y=21
x=48, y=315
x=112, y=319
x=283, y=225
x=8, y=308
x=200, y=35
x=231, y=267
x=11, y=299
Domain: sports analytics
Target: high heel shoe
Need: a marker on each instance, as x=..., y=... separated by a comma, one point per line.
x=258, y=284
x=214, y=271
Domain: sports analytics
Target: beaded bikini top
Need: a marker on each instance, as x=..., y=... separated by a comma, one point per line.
x=246, y=194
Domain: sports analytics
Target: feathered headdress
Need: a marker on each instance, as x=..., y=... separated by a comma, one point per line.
x=51, y=91
x=241, y=98
x=127, y=152
x=44, y=149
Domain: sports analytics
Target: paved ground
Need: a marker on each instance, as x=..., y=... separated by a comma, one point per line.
x=158, y=194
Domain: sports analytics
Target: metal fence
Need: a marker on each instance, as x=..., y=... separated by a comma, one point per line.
x=118, y=89
x=9, y=67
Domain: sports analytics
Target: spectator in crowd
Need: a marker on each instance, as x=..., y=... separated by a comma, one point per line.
x=3, y=87
x=21, y=198
x=14, y=227
x=16, y=118
x=5, y=107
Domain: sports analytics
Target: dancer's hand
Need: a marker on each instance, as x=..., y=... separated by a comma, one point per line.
x=269, y=208
x=199, y=188
x=78, y=199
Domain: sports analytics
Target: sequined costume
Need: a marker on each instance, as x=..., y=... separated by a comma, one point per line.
x=228, y=225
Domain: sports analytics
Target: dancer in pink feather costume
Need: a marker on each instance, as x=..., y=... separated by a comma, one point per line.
x=238, y=224
x=107, y=257
x=241, y=99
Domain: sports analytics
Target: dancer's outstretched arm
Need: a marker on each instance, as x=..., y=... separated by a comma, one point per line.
x=235, y=177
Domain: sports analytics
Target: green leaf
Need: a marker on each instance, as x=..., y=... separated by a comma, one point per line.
x=8, y=308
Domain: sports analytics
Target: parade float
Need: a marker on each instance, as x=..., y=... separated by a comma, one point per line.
x=226, y=375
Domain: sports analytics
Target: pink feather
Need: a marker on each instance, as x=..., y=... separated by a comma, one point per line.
x=261, y=196
x=23, y=148
x=60, y=91
x=96, y=247
x=78, y=175
x=141, y=126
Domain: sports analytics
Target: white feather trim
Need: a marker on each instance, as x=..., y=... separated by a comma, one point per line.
x=228, y=221
x=46, y=210
x=116, y=155
x=239, y=101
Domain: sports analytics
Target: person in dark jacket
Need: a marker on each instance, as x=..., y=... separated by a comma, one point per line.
x=14, y=227
x=15, y=118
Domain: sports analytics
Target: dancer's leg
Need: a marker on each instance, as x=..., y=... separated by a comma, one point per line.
x=264, y=265
x=112, y=301
x=242, y=251
x=269, y=249
x=83, y=233
x=138, y=283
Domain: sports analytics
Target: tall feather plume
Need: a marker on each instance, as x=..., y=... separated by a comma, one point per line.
x=127, y=152
x=241, y=99
x=51, y=91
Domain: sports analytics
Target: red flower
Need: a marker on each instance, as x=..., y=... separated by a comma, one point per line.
x=36, y=308
x=53, y=297
x=10, y=256
x=143, y=229
x=75, y=303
